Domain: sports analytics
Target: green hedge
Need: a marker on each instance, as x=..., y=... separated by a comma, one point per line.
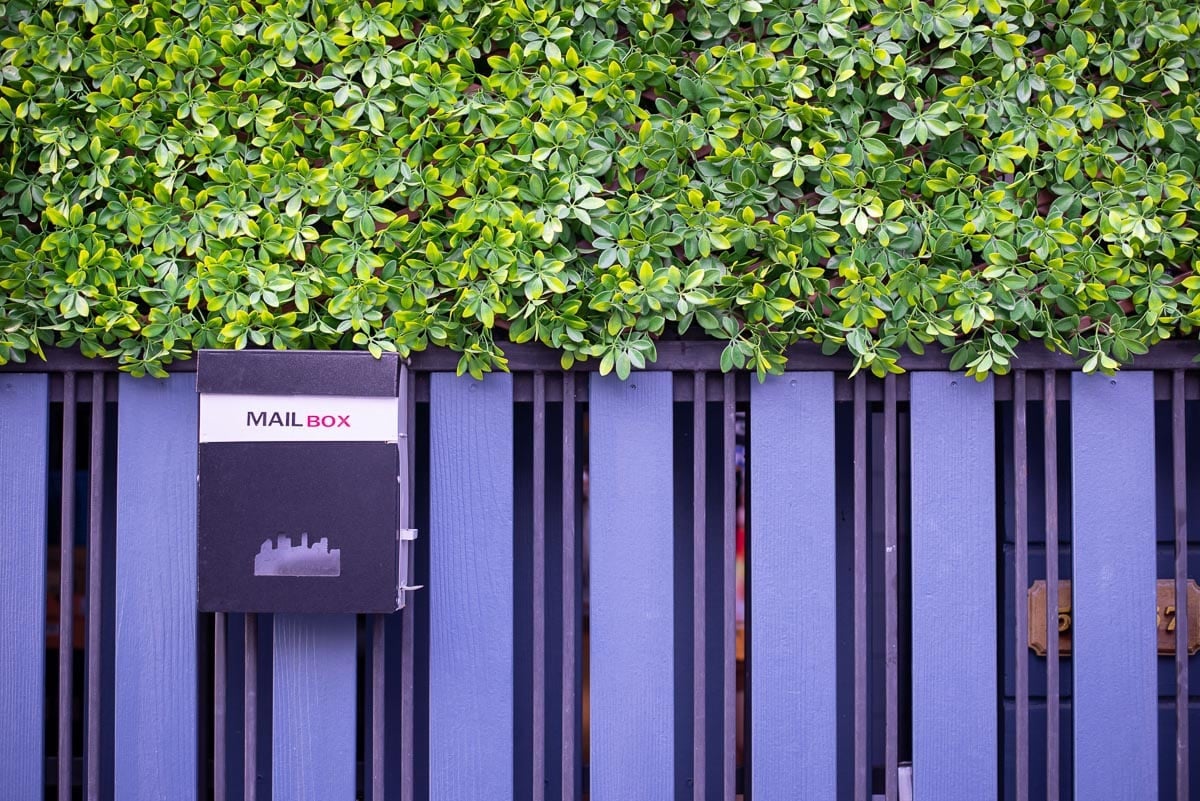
x=877, y=175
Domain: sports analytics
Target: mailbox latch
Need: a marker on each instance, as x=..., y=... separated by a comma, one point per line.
x=406, y=537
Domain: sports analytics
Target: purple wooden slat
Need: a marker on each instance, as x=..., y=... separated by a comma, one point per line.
x=24, y=408
x=312, y=711
x=155, y=747
x=794, y=649
x=470, y=589
x=95, y=551
x=632, y=597
x=955, y=736
x=1114, y=639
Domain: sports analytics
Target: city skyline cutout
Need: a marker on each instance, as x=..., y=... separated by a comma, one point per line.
x=282, y=557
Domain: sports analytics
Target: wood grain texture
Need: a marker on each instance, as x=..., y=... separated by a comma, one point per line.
x=24, y=408
x=312, y=713
x=1050, y=477
x=155, y=696
x=953, y=588
x=1114, y=604
x=794, y=649
x=572, y=764
x=632, y=598
x=470, y=589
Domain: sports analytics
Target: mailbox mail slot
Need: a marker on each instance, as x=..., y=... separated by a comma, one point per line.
x=298, y=484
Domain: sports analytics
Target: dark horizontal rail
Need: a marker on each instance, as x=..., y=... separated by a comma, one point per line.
x=522, y=385
x=1175, y=356
x=676, y=356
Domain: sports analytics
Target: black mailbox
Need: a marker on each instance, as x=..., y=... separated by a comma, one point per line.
x=299, y=482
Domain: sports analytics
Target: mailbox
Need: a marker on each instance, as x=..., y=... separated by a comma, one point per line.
x=298, y=484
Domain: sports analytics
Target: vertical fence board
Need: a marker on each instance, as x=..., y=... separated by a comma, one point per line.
x=23, y=463
x=1114, y=604
x=1182, y=623
x=312, y=714
x=953, y=588
x=632, y=596
x=94, y=738
x=891, y=592
x=156, y=658
x=470, y=589
x=794, y=706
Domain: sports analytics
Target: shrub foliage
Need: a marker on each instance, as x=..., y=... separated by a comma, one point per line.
x=878, y=175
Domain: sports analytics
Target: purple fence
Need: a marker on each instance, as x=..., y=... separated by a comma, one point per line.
x=686, y=585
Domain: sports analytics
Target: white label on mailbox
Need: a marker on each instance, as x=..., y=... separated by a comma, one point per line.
x=297, y=418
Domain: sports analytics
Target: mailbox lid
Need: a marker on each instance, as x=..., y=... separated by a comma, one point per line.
x=297, y=372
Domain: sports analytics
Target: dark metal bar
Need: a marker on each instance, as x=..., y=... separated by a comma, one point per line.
x=250, y=709
x=1179, y=459
x=699, y=645
x=539, y=586
x=1050, y=422
x=94, y=586
x=66, y=589
x=728, y=573
x=379, y=622
x=687, y=356
x=569, y=690
x=1021, y=580
x=364, y=635
x=219, y=705
x=843, y=390
x=861, y=767
x=408, y=416
x=61, y=360
x=672, y=355
x=407, y=693
x=891, y=594
x=378, y=684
